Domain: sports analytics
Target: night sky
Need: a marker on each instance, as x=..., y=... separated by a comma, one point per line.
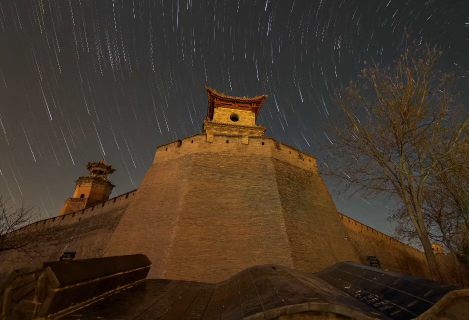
x=86, y=80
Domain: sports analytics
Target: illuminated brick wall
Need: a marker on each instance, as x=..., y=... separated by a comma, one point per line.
x=207, y=210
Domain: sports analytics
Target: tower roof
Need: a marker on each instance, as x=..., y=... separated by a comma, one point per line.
x=100, y=164
x=216, y=100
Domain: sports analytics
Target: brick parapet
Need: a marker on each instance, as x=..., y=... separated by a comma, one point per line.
x=233, y=145
x=74, y=217
x=359, y=227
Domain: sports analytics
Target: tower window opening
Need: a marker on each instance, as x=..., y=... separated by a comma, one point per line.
x=234, y=118
x=262, y=143
x=82, y=196
x=227, y=141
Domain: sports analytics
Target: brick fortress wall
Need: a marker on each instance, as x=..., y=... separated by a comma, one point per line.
x=392, y=254
x=86, y=231
x=279, y=187
x=207, y=210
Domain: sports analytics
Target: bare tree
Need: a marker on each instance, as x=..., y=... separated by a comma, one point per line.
x=14, y=231
x=393, y=127
x=445, y=207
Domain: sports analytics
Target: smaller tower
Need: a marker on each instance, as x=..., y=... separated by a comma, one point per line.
x=90, y=190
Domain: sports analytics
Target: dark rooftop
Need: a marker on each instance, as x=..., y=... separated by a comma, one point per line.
x=350, y=290
x=116, y=288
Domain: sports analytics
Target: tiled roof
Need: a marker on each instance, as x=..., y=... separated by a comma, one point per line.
x=267, y=292
x=213, y=94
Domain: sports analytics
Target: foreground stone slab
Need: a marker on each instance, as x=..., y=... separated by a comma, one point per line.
x=60, y=287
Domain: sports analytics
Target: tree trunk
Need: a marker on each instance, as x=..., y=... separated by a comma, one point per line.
x=422, y=233
x=431, y=260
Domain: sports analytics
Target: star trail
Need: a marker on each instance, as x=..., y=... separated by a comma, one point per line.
x=113, y=79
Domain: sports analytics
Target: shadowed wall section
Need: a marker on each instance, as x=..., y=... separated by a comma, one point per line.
x=87, y=232
x=392, y=254
x=317, y=237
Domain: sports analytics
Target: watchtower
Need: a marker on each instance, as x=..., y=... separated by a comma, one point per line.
x=92, y=189
x=232, y=116
x=228, y=199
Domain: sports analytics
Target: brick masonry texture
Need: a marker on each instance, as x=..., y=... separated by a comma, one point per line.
x=316, y=234
x=207, y=210
x=246, y=118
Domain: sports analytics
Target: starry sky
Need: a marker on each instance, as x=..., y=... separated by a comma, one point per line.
x=82, y=80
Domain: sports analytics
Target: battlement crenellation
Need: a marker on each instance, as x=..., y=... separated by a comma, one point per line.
x=74, y=217
x=359, y=227
x=233, y=145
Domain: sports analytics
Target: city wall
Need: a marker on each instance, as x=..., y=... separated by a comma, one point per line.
x=267, y=194
x=86, y=231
